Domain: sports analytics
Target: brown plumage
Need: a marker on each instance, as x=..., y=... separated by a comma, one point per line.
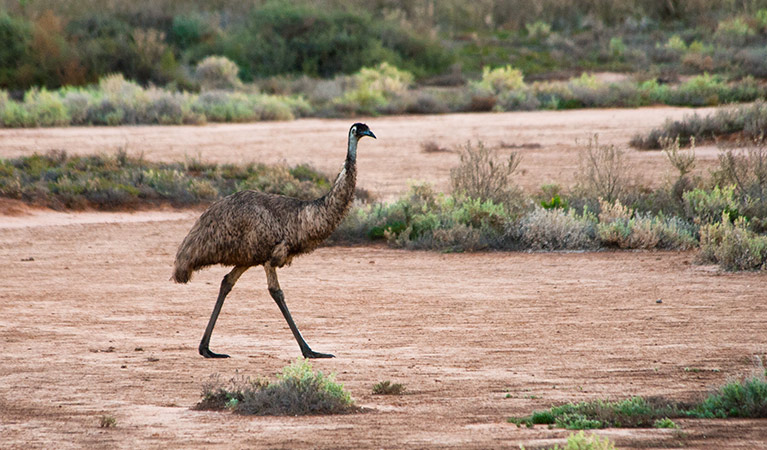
x=251, y=228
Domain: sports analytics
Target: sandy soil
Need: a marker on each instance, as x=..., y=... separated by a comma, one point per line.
x=91, y=326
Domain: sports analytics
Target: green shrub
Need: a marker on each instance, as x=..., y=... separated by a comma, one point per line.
x=761, y=20
x=617, y=47
x=299, y=390
x=747, y=398
x=538, y=29
x=707, y=207
x=217, y=72
x=746, y=171
x=676, y=43
x=733, y=32
x=374, y=89
x=388, y=388
x=483, y=174
x=665, y=423
x=556, y=229
x=620, y=227
x=603, y=172
x=732, y=245
x=499, y=80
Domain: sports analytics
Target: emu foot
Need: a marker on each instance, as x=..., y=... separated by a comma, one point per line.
x=209, y=354
x=312, y=354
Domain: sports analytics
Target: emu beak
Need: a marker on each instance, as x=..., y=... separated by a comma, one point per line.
x=369, y=133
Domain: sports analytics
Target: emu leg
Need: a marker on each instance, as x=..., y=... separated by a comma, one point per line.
x=279, y=298
x=226, y=285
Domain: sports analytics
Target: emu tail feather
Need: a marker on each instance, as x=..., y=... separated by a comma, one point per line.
x=181, y=274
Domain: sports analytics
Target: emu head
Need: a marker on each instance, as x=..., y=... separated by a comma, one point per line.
x=358, y=130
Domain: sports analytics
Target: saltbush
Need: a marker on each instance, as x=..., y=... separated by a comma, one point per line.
x=732, y=245
x=299, y=390
x=217, y=72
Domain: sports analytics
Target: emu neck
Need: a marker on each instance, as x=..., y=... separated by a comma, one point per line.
x=320, y=217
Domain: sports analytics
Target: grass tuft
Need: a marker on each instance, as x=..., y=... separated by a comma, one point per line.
x=106, y=421
x=388, y=388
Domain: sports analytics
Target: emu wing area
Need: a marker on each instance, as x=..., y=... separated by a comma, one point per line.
x=239, y=230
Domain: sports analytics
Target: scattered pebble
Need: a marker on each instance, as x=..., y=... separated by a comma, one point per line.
x=28, y=259
x=659, y=301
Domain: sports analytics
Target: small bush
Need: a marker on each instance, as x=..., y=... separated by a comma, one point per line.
x=299, y=390
x=538, y=29
x=746, y=171
x=483, y=174
x=388, y=388
x=603, y=172
x=620, y=227
x=665, y=423
x=747, y=398
x=705, y=207
x=733, y=32
x=732, y=245
x=217, y=72
x=375, y=88
x=107, y=421
x=556, y=229
x=499, y=80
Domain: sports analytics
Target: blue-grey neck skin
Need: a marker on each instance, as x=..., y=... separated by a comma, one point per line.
x=351, y=154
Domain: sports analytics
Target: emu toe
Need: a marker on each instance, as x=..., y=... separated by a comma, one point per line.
x=209, y=354
x=313, y=354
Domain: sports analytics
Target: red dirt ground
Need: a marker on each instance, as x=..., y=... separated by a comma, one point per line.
x=91, y=325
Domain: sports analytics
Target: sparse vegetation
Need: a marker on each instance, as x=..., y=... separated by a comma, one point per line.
x=388, y=388
x=581, y=441
x=118, y=181
x=746, y=398
x=107, y=421
x=485, y=210
x=299, y=390
x=748, y=122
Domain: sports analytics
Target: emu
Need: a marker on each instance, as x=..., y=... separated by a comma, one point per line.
x=251, y=228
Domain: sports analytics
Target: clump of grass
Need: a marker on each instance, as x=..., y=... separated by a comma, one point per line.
x=106, y=421
x=299, y=390
x=388, y=388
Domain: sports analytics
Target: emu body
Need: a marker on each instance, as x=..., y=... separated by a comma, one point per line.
x=251, y=228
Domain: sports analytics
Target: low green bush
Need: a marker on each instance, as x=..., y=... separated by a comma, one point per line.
x=299, y=390
x=732, y=245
